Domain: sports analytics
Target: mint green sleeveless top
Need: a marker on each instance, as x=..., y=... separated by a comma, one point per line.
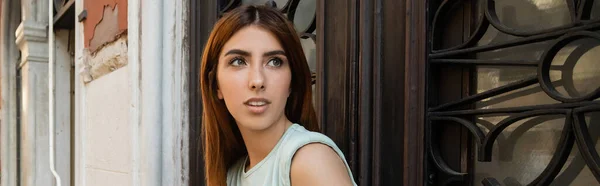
x=274, y=169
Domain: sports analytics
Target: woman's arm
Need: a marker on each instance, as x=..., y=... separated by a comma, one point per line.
x=317, y=164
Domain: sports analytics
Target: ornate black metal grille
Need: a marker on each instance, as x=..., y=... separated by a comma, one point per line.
x=531, y=53
x=302, y=13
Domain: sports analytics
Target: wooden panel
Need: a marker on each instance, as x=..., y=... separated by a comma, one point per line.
x=393, y=61
x=203, y=15
x=368, y=67
x=391, y=79
x=335, y=86
x=415, y=59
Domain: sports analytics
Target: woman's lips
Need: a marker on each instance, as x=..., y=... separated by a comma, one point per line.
x=257, y=105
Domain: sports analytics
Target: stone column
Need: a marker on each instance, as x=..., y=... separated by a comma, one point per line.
x=9, y=59
x=33, y=67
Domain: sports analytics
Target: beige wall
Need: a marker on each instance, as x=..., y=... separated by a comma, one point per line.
x=103, y=150
x=107, y=143
x=130, y=119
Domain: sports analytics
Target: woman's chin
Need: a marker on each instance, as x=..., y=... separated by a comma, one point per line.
x=256, y=123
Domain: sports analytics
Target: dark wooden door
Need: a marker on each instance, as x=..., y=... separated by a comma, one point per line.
x=372, y=56
x=513, y=93
x=202, y=16
x=369, y=58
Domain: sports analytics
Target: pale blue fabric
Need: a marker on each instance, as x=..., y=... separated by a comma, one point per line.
x=274, y=170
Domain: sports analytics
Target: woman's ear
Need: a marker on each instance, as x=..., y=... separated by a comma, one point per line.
x=219, y=94
x=212, y=77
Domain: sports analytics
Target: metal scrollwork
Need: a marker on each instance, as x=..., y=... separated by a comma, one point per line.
x=571, y=107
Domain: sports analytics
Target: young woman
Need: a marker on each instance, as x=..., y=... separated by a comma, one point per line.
x=258, y=118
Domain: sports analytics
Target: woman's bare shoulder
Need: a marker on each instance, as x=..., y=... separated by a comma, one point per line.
x=318, y=164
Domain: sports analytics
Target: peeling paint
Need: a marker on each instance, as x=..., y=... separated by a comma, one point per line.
x=109, y=58
x=105, y=30
x=106, y=21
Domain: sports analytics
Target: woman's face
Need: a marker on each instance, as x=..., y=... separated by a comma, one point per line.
x=254, y=78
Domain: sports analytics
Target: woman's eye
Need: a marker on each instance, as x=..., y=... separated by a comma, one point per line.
x=275, y=62
x=237, y=62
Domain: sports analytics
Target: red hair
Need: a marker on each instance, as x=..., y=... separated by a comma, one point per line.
x=223, y=144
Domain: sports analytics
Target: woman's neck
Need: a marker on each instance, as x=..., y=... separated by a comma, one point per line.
x=260, y=143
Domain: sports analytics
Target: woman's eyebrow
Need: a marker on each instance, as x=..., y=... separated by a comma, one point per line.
x=274, y=52
x=238, y=52
x=246, y=53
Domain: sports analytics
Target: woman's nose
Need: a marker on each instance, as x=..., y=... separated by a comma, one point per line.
x=257, y=79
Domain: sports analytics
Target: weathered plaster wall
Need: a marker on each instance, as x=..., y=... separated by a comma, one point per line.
x=106, y=21
x=131, y=120
x=108, y=145
x=110, y=57
x=103, y=96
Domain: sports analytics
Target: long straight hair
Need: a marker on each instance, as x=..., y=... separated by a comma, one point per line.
x=223, y=143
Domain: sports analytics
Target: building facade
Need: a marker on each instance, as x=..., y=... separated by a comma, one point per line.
x=87, y=103
x=414, y=92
